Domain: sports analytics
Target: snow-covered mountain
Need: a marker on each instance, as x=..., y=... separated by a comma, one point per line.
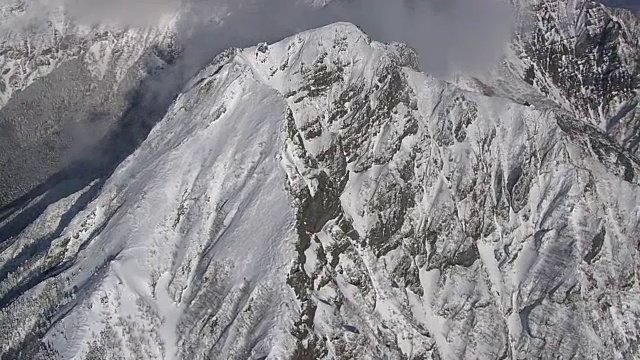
x=321, y=198
x=585, y=57
x=63, y=85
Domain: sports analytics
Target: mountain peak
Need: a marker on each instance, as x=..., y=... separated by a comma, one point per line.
x=320, y=198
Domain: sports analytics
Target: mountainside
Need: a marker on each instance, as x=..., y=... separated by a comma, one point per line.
x=321, y=198
x=586, y=58
x=64, y=86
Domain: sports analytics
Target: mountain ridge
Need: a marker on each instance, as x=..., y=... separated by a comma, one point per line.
x=358, y=207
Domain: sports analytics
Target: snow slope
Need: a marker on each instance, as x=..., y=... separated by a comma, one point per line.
x=320, y=198
x=196, y=220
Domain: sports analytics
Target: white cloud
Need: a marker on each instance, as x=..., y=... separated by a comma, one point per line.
x=463, y=35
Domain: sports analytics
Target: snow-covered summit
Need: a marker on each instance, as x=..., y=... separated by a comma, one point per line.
x=320, y=198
